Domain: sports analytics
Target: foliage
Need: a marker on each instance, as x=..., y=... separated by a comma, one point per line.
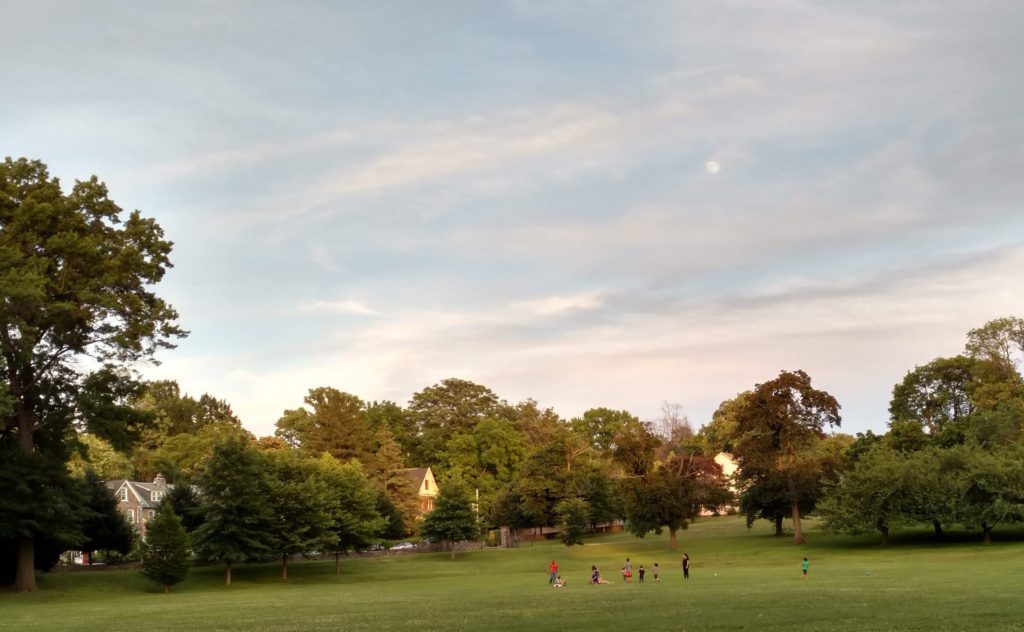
x=76, y=277
x=452, y=519
x=303, y=505
x=574, y=518
x=234, y=493
x=334, y=422
x=777, y=429
x=165, y=554
x=94, y=454
x=672, y=493
x=446, y=410
x=103, y=526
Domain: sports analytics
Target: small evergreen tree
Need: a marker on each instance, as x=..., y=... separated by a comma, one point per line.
x=165, y=554
x=452, y=519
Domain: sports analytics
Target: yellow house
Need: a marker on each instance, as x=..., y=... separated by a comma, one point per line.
x=426, y=487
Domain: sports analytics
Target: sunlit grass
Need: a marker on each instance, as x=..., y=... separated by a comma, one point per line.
x=740, y=579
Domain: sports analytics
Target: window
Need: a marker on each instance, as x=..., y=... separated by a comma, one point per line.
x=124, y=494
x=155, y=496
x=426, y=483
x=149, y=515
x=131, y=516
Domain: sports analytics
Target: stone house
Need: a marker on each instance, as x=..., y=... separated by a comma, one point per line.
x=139, y=501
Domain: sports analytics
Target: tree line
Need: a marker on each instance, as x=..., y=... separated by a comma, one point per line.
x=78, y=313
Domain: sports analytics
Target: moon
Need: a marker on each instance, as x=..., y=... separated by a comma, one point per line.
x=713, y=167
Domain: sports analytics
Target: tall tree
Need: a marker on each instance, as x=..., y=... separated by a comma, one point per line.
x=165, y=554
x=1000, y=340
x=104, y=527
x=672, y=493
x=442, y=411
x=777, y=430
x=355, y=521
x=76, y=279
x=880, y=492
x=335, y=422
x=235, y=494
x=600, y=425
x=303, y=505
x=453, y=518
x=574, y=518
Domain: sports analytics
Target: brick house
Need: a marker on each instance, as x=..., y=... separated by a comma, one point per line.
x=426, y=487
x=139, y=501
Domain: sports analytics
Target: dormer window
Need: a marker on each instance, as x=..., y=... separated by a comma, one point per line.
x=155, y=496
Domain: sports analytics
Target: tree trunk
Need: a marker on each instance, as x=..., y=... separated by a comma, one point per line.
x=284, y=566
x=25, y=564
x=986, y=533
x=938, y=529
x=227, y=578
x=167, y=589
x=672, y=543
x=25, y=573
x=451, y=545
x=337, y=562
x=885, y=535
x=778, y=526
x=798, y=532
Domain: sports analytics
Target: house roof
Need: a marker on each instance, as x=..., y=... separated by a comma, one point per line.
x=416, y=473
x=142, y=491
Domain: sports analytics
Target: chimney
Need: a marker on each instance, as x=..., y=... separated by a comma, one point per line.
x=160, y=480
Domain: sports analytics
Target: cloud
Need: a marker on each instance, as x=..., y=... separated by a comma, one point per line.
x=347, y=306
x=559, y=304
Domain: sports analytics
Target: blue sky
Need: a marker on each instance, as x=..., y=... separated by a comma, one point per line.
x=378, y=196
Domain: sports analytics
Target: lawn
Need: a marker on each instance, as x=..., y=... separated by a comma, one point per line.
x=740, y=580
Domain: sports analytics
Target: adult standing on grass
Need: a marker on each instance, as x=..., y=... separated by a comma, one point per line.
x=804, y=566
x=686, y=566
x=553, y=572
x=627, y=570
x=655, y=571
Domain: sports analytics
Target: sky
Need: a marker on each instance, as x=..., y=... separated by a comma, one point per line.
x=584, y=203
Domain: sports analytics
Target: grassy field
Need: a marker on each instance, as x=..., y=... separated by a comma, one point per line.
x=740, y=580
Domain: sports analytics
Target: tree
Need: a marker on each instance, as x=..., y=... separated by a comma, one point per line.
x=935, y=395
x=446, y=410
x=574, y=514
x=452, y=519
x=776, y=431
x=104, y=527
x=234, y=492
x=165, y=554
x=1000, y=340
x=879, y=493
x=334, y=423
x=398, y=488
x=672, y=493
x=303, y=505
x=185, y=501
x=355, y=521
x=97, y=455
x=75, y=282
x=599, y=426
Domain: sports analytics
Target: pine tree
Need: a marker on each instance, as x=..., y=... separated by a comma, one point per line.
x=165, y=554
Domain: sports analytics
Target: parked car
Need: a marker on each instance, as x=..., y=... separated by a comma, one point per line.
x=401, y=546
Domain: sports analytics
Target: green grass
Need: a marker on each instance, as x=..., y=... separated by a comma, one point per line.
x=740, y=580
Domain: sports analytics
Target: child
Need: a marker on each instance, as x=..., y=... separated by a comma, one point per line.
x=804, y=566
x=559, y=582
x=640, y=573
x=654, y=571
